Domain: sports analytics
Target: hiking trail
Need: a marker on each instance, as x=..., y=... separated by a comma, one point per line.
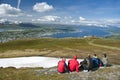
x=103, y=46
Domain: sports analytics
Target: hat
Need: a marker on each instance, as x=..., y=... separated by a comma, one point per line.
x=63, y=59
x=75, y=57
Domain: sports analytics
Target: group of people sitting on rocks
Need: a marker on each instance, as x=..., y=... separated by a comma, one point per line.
x=88, y=64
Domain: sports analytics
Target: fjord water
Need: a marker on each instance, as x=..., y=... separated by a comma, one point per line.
x=97, y=33
x=54, y=31
x=81, y=31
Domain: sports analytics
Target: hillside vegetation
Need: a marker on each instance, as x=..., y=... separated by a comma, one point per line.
x=66, y=47
x=110, y=73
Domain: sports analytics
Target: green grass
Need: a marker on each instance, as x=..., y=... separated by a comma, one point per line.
x=108, y=42
x=42, y=43
x=110, y=73
x=60, y=48
x=47, y=43
x=66, y=47
x=27, y=74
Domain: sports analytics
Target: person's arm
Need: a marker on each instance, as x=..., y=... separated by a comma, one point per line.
x=77, y=66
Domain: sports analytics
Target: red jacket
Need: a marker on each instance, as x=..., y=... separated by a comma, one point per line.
x=61, y=66
x=73, y=65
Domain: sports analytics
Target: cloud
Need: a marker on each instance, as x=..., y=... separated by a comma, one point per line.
x=8, y=10
x=68, y=17
x=3, y=20
x=42, y=7
x=82, y=19
x=29, y=15
x=49, y=18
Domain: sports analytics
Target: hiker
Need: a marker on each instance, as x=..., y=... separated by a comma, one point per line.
x=89, y=64
x=105, y=60
x=73, y=64
x=83, y=65
x=62, y=66
x=96, y=61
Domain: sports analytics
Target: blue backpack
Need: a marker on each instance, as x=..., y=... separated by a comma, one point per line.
x=96, y=62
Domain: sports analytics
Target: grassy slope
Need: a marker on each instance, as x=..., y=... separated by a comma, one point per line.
x=108, y=42
x=57, y=48
x=61, y=48
x=27, y=74
x=111, y=73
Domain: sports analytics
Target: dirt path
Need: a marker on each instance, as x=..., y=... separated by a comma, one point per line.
x=103, y=46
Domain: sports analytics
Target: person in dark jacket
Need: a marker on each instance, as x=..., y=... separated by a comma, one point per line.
x=89, y=61
x=95, y=60
x=62, y=66
x=73, y=64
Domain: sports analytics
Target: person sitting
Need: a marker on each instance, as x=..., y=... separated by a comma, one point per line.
x=62, y=66
x=96, y=61
x=89, y=63
x=105, y=60
x=73, y=64
x=83, y=65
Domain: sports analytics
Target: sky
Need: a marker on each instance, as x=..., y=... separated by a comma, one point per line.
x=90, y=12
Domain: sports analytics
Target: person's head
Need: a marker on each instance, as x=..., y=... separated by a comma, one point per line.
x=63, y=59
x=89, y=56
x=95, y=55
x=104, y=55
x=75, y=57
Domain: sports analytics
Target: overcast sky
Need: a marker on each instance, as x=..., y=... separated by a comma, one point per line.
x=61, y=11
